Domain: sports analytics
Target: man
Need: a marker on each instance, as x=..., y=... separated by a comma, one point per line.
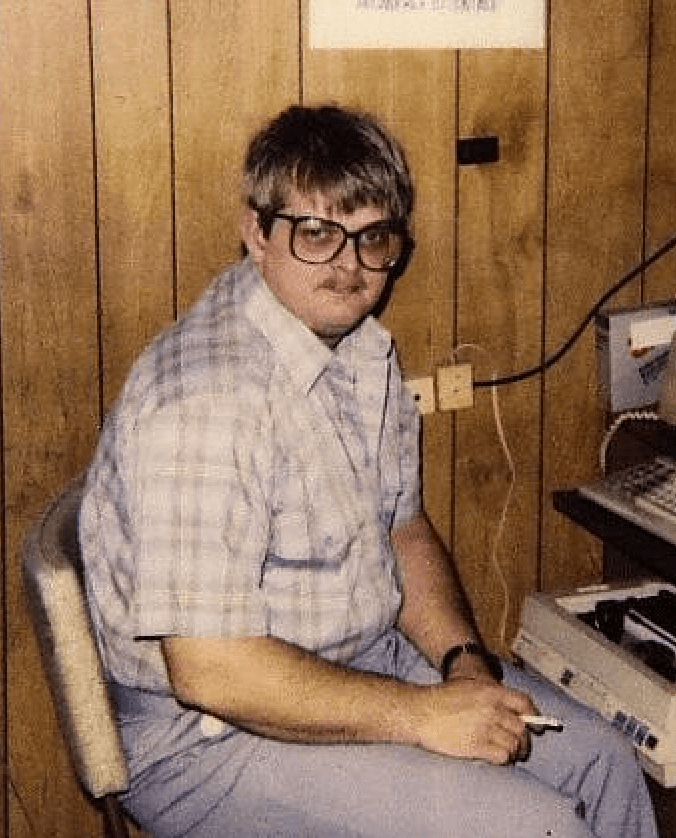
x=287, y=643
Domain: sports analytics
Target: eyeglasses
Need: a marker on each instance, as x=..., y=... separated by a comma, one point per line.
x=315, y=241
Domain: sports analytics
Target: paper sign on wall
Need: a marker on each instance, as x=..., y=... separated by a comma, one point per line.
x=433, y=24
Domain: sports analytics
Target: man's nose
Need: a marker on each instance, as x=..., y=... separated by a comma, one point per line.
x=347, y=257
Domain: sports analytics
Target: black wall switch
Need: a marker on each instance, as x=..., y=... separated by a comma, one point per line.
x=476, y=150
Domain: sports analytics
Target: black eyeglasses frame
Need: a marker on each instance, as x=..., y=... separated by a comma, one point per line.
x=397, y=265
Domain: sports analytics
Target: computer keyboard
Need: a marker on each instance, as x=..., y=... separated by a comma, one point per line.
x=644, y=494
x=655, y=488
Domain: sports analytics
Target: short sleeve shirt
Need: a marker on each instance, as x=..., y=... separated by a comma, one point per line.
x=246, y=484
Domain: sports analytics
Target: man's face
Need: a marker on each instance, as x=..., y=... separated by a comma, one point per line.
x=331, y=298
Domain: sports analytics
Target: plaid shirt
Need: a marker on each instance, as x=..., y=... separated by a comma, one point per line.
x=246, y=484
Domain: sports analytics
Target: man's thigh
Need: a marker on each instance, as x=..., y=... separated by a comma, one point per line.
x=212, y=787
x=374, y=791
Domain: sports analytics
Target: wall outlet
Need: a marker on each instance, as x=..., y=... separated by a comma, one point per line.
x=454, y=386
x=422, y=390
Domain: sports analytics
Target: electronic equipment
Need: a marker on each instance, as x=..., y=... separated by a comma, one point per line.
x=668, y=395
x=613, y=649
x=632, y=351
x=645, y=493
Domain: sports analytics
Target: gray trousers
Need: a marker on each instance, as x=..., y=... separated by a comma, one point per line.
x=196, y=778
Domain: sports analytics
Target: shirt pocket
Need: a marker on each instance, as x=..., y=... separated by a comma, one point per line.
x=308, y=536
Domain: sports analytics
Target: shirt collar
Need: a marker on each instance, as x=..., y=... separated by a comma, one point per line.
x=301, y=351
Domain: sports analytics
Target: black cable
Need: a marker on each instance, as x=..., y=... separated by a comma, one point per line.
x=556, y=357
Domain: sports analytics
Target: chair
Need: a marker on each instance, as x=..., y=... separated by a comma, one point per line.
x=54, y=584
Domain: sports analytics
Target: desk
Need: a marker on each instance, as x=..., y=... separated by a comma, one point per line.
x=634, y=441
x=629, y=544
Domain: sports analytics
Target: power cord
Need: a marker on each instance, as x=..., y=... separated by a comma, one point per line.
x=502, y=579
x=556, y=357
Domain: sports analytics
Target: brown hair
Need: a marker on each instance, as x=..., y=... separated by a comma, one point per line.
x=341, y=154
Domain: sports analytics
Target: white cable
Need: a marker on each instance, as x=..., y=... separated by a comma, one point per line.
x=508, y=497
x=503, y=517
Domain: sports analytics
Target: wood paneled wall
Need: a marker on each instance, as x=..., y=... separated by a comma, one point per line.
x=121, y=133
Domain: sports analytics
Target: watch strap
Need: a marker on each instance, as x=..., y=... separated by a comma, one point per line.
x=471, y=648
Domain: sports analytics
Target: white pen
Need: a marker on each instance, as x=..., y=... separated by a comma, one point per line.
x=542, y=721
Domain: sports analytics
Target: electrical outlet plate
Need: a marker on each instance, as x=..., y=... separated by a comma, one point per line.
x=454, y=386
x=422, y=390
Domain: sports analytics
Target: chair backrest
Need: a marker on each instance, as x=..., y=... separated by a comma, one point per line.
x=54, y=584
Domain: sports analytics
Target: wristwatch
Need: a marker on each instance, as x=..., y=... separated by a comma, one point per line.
x=491, y=661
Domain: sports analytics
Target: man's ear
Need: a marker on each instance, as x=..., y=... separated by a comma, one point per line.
x=252, y=235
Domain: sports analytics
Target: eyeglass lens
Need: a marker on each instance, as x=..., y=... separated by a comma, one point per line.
x=317, y=240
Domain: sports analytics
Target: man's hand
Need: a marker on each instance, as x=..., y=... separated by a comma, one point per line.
x=476, y=718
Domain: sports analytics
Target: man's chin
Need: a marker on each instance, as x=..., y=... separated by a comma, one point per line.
x=332, y=334
x=343, y=318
